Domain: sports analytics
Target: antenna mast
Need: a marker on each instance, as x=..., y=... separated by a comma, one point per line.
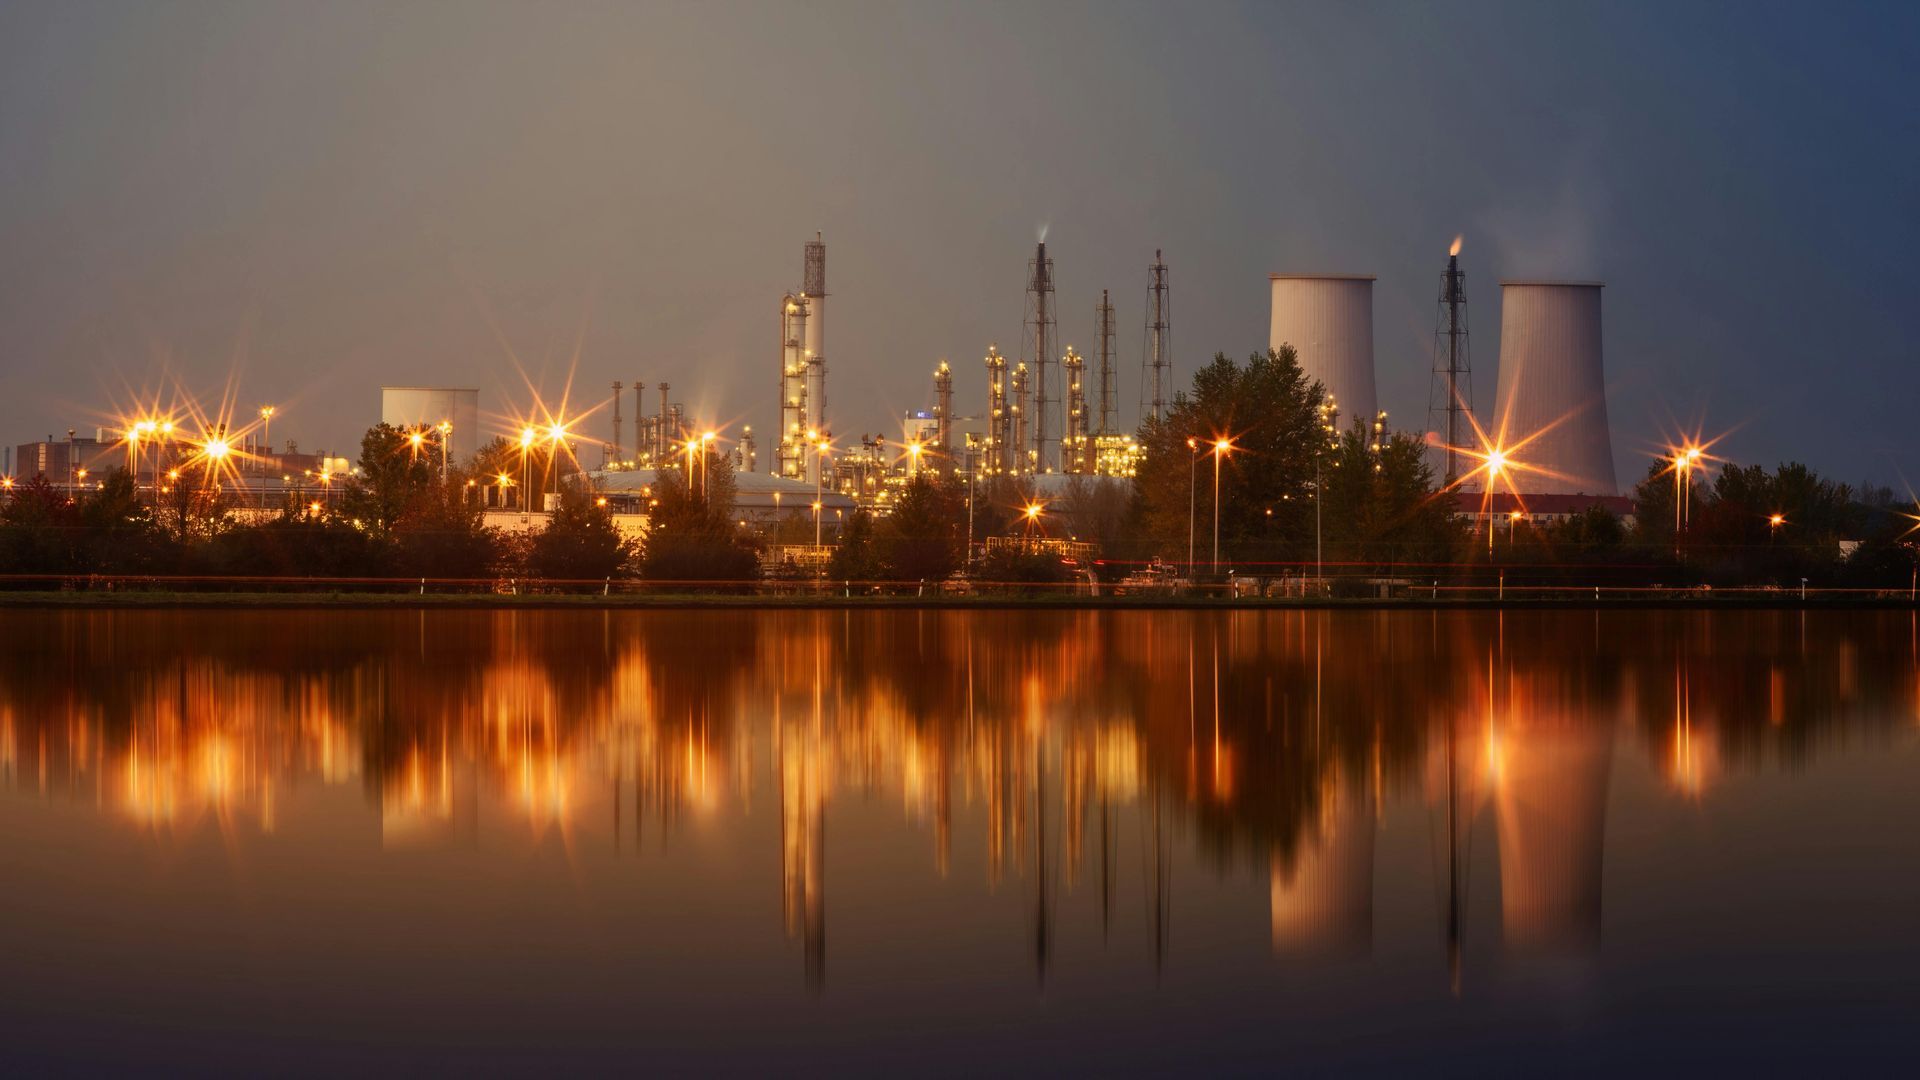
x=1159, y=350
x=1040, y=326
x=1450, y=393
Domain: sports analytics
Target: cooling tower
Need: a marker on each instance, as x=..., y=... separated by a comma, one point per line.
x=1322, y=901
x=1550, y=802
x=1552, y=382
x=1328, y=319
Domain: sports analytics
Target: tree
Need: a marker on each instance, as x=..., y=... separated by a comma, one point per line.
x=691, y=534
x=1271, y=412
x=392, y=474
x=440, y=533
x=921, y=539
x=1381, y=507
x=39, y=530
x=580, y=540
x=857, y=556
x=120, y=533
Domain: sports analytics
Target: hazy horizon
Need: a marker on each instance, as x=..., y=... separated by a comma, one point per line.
x=309, y=202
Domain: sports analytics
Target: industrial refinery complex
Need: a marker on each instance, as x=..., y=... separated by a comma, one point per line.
x=1036, y=412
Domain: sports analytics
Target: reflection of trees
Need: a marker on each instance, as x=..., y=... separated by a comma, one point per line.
x=1272, y=737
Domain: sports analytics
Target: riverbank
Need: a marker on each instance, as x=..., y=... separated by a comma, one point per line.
x=1561, y=600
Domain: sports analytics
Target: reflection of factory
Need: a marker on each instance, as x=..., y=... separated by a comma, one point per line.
x=1017, y=768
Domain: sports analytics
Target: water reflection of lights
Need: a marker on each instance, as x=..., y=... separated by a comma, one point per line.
x=1047, y=753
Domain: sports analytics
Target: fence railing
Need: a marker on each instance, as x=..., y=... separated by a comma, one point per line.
x=1239, y=591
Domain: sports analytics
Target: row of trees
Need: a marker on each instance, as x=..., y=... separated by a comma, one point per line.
x=1252, y=455
x=401, y=516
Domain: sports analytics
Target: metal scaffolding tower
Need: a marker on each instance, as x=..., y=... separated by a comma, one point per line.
x=1041, y=336
x=1103, y=321
x=1450, y=393
x=1157, y=356
x=1073, y=448
x=790, y=456
x=943, y=408
x=999, y=417
x=1022, y=458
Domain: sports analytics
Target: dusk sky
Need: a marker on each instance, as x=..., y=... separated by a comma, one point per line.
x=315, y=200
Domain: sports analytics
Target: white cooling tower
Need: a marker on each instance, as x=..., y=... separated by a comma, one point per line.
x=1328, y=319
x=1553, y=387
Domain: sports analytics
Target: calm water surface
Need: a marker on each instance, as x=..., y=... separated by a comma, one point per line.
x=959, y=841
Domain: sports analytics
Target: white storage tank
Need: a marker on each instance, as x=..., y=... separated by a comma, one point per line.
x=1553, y=388
x=427, y=406
x=1328, y=319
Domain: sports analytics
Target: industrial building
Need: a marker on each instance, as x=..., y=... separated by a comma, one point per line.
x=1328, y=319
x=418, y=407
x=1553, y=390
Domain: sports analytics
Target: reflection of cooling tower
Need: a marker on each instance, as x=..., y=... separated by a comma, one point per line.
x=1324, y=900
x=1552, y=382
x=1550, y=794
x=1328, y=319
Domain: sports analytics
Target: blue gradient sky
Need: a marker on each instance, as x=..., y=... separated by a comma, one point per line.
x=329, y=197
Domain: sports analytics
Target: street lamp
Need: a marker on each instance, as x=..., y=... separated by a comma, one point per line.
x=1513, y=522
x=1221, y=448
x=216, y=450
x=1496, y=460
x=266, y=431
x=1193, y=466
x=819, y=474
x=446, y=436
x=527, y=435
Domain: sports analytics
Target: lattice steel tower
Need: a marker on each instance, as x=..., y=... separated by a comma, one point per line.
x=1041, y=334
x=1157, y=356
x=1450, y=393
x=1103, y=320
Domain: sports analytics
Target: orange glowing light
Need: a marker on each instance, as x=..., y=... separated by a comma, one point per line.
x=1455, y=249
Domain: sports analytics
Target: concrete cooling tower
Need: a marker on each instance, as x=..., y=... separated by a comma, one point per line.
x=1551, y=376
x=1328, y=319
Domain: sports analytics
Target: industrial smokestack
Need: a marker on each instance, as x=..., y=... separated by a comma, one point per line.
x=1328, y=319
x=814, y=288
x=1553, y=387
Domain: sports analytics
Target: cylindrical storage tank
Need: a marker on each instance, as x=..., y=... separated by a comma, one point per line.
x=1328, y=319
x=1553, y=393
x=409, y=407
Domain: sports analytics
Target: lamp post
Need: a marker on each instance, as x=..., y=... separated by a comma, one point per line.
x=1496, y=460
x=1193, y=465
x=819, y=475
x=526, y=447
x=215, y=450
x=1221, y=448
x=446, y=436
x=1513, y=522
x=266, y=432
